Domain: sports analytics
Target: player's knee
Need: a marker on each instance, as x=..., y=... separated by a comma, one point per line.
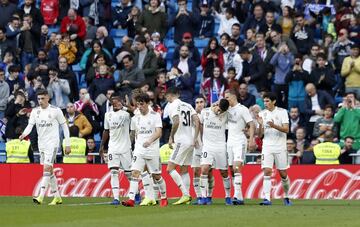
x=224, y=173
x=135, y=174
x=170, y=167
x=236, y=168
x=48, y=169
x=197, y=172
x=283, y=174
x=183, y=170
x=156, y=177
x=267, y=171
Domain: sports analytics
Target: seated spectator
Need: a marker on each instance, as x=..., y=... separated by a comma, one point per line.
x=296, y=79
x=302, y=35
x=40, y=67
x=212, y=57
x=32, y=85
x=66, y=72
x=93, y=70
x=13, y=80
x=52, y=49
x=152, y=19
x=310, y=60
x=294, y=154
x=350, y=70
x=29, y=8
x=325, y=123
x=348, y=119
x=302, y=142
x=224, y=39
x=91, y=148
x=88, y=58
x=6, y=10
x=214, y=87
x=4, y=43
x=4, y=94
x=102, y=82
x=194, y=54
x=85, y=102
x=159, y=50
x=233, y=83
x=315, y=102
x=106, y=41
x=323, y=75
x=327, y=152
x=250, y=40
x=207, y=22
x=106, y=106
x=286, y=20
x=226, y=21
x=58, y=89
x=120, y=13
x=131, y=77
x=131, y=21
x=308, y=156
x=266, y=54
x=296, y=121
x=75, y=118
x=44, y=35
x=184, y=74
x=67, y=48
x=348, y=149
x=255, y=20
x=277, y=39
x=245, y=98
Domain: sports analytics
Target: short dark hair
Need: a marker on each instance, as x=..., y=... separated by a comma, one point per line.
x=244, y=50
x=236, y=25
x=74, y=131
x=173, y=91
x=142, y=97
x=270, y=95
x=3, y=29
x=54, y=69
x=115, y=96
x=299, y=15
x=14, y=68
x=232, y=91
x=224, y=105
x=231, y=68
x=140, y=39
x=42, y=92
x=350, y=93
x=232, y=40
x=129, y=57
x=321, y=55
x=349, y=137
x=329, y=106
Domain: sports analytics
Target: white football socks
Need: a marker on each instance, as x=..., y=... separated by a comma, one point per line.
x=177, y=179
x=148, y=185
x=237, y=186
x=204, y=185
x=186, y=180
x=227, y=186
x=286, y=185
x=267, y=187
x=196, y=183
x=114, y=181
x=44, y=183
x=54, y=186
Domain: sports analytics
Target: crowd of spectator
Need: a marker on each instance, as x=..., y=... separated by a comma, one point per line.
x=307, y=52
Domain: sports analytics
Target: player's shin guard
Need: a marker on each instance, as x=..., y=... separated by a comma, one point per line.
x=44, y=184
x=237, y=186
x=128, y=174
x=267, y=187
x=196, y=183
x=148, y=185
x=211, y=186
x=227, y=186
x=54, y=186
x=186, y=180
x=204, y=184
x=286, y=185
x=162, y=188
x=114, y=181
x=177, y=179
x=134, y=186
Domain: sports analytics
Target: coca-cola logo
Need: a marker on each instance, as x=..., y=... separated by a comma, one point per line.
x=84, y=187
x=329, y=184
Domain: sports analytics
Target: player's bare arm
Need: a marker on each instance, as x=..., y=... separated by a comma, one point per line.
x=156, y=135
x=174, y=129
x=261, y=126
x=196, y=123
x=104, y=142
x=282, y=128
x=252, y=144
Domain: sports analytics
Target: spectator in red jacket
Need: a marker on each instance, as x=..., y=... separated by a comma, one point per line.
x=50, y=11
x=74, y=25
x=212, y=57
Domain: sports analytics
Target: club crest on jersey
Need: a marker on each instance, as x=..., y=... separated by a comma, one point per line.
x=148, y=122
x=49, y=116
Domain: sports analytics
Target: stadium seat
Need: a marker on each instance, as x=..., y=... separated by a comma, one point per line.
x=117, y=41
x=118, y=32
x=169, y=43
x=201, y=43
x=2, y=152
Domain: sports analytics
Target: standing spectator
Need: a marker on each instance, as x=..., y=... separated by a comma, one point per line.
x=29, y=8
x=231, y=78
x=152, y=19
x=90, y=31
x=194, y=54
x=341, y=48
x=283, y=62
x=44, y=35
x=67, y=48
x=325, y=123
x=40, y=66
x=65, y=72
x=132, y=21
x=4, y=43
x=269, y=25
x=29, y=40
x=255, y=20
x=4, y=94
x=13, y=30
x=106, y=41
x=253, y=71
x=102, y=82
x=120, y=12
x=14, y=81
x=145, y=59
x=265, y=54
x=58, y=90
x=296, y=121
x=207, y=22
x=131, y=77
x=93, y=70
x=302, y=35
x=226, y=21
x=296, y=79
x=53, y=49
x=76, y=118
x=214, y=87
x=351, y=71
x=323, y=75
x=286, y=21
x=232, y=59
x=185, y=75
x=277, y=39
x=347, y=150
x=88, y=58
x=315, y=103
x=7, y=9
x=310, y=61
x=184, y=21
x=224, y=39
x=245, y=98
x=74, y=25
x=50, y=11
x=212, y=57
x=250, y=40
x=236, y=34
x=348, y=119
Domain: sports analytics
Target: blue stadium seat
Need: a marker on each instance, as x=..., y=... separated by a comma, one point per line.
x=55, y=29
x=118, y=32
x=201, y=43
x=169, y=43
x=116, y=75
x=2, y=152
x=117, y=41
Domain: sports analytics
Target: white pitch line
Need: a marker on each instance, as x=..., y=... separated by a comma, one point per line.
x=87, y=204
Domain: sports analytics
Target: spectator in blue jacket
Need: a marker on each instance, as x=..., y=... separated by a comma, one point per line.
x=121, y=12
x=207, y=22
x=194, y=54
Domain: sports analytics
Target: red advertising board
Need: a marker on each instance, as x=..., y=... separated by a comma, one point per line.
x=83, y=180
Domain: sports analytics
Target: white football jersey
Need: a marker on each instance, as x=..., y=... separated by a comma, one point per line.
x=47, y=123
x=274, y=140
x=118, y=124
x=185, y=111
x=144, y=126
x=239, y=116
x=214, y=127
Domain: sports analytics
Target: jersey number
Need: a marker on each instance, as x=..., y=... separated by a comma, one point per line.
x=186, y=116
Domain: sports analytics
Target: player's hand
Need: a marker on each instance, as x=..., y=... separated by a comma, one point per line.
x=259, y=120
x=171, y=141
x=146, y=144
x=21, y=137
x=271, y=124
x=196, y=144
x=102, y=153
x=67, y=150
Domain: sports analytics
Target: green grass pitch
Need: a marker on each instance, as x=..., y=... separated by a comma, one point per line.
x=20, y=211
